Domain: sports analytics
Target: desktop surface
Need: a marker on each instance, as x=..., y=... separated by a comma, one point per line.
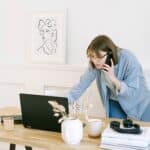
x=45, y=139
x=49, y=140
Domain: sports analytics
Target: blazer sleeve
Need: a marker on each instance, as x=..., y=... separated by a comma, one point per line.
x=131, y=76
x=84, y=82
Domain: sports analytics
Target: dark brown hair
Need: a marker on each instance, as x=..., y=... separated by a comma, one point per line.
x=102, y=43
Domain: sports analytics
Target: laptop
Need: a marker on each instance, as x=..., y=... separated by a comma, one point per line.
x=37, y=113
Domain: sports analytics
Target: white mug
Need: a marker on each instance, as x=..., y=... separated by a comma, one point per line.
x=94, y=127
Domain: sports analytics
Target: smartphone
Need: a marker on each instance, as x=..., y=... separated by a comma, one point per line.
x=108, y=59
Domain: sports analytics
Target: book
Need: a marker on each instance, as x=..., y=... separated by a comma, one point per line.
x=144, y=136
x=111, y=139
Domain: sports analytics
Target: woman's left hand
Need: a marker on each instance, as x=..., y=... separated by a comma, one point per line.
x=110, y=71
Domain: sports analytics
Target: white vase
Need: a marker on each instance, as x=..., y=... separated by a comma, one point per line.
x=72, y=130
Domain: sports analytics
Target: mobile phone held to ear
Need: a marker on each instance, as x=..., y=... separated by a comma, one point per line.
x=108, y=59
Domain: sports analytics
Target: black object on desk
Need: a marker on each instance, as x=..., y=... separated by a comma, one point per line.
x=37, y=113
x=128, y=127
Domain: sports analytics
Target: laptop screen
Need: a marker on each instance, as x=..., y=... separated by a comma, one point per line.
x=37, y=113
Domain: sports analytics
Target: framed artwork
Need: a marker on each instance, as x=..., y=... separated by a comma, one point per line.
x=48, y=37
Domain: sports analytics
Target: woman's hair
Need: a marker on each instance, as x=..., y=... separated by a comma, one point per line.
x=102, y=43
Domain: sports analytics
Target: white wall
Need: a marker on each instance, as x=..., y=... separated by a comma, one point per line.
x=127, y=22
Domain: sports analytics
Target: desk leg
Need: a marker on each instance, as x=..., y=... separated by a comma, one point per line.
x=12, y=146
x=28, y=147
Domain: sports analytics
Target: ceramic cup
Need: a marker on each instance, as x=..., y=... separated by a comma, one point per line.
x=94, y=127
x=8, y=123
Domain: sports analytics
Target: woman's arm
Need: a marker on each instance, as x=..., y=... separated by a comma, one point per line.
x=131, y=72
x=127, y=80
x=85, y=80
x=130, y=83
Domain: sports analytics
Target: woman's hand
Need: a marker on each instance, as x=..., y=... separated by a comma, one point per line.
x=110, y=72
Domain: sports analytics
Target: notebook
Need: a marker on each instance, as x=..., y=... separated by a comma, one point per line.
x=37, y=113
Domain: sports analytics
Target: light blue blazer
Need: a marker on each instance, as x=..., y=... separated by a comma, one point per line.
x=134, y=95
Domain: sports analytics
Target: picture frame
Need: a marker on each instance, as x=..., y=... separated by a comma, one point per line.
x=48, y=37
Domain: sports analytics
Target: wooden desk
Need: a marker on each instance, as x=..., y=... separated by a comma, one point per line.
x=46, y=139
x=42, y=139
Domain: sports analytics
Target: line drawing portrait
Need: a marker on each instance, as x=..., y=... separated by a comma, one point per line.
x=48, y=37
x=48, y=31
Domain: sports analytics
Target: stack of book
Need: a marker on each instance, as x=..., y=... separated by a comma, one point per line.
x=122, y=141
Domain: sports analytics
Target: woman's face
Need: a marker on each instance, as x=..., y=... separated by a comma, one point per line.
x=98, y=61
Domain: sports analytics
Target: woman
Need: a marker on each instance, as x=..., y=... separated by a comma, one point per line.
x=119, y=79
